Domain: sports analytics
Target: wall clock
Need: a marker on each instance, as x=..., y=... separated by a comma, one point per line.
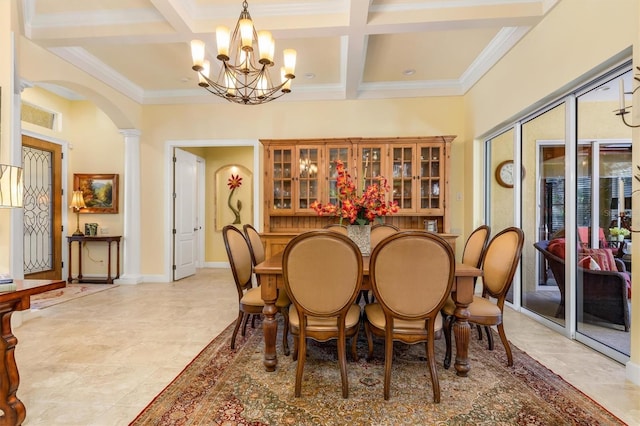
x=504, y=173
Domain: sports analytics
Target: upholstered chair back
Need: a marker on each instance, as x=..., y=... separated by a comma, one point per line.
x=501, y=261
x=380, y=231
x=335, y=227
x=239, y=256
x=475, y=246
x=412, y=273
x=255, y=243
x=322, y=272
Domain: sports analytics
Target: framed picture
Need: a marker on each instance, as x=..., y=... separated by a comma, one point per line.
x=100, y=192
x=233, y=196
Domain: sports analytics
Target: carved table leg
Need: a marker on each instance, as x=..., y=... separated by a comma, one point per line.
x=13, y=408
x=268, y=286
x=463, y=296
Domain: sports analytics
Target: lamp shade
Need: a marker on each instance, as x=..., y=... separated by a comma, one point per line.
x=10, y=186
x=77, y=200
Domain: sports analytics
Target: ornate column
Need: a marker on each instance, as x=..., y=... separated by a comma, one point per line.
x=131, y=244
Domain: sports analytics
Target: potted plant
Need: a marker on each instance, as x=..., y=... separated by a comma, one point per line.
x=619, y=233
x=358, y=210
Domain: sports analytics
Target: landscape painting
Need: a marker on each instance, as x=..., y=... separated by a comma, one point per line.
x=100, y=192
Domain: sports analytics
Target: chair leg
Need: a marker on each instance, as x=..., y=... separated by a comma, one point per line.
x=506, y=345
x=253, y=321
x=342, y=360
x=447, y=326
x=388, y=358
x=236, y=328
x=354, y=342
x=285, y=332
x=487, y=330
x=367, y=331
x=479, y=328
x=302, y=354
x=245, y=320
x=431, y=363
x=294, y=355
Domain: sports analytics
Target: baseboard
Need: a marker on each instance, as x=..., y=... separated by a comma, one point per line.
x=218, y=265
x=633, y=372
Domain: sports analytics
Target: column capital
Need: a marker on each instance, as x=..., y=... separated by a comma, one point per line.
x=130, y=133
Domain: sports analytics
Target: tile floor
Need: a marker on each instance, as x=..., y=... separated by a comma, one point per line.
x=100, y=359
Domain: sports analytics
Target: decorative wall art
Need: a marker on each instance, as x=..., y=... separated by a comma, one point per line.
x=99, y=191
x=233, y=196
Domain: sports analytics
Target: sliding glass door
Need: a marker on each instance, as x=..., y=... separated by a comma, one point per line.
x=603, y=222
x=574, y=189
x=543, y=207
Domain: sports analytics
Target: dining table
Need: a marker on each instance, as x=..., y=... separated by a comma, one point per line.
x=270, y=277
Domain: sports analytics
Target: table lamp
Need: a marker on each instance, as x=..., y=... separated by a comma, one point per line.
x=77, y=203
x=10, y=197
x=10, y=186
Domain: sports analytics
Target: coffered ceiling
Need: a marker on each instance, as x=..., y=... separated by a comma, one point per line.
x=347, y=49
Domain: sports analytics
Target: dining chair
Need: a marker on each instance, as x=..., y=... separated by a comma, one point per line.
x=472, y=255
x=501, y=259
x=411, y=274
x=336, y=227
x=249, y=298
x=322, y=274
x=257, y=256
x=380, y=231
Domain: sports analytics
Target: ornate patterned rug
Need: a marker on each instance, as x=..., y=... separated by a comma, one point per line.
x=225, y=387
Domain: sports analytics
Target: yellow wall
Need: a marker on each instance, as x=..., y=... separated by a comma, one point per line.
x=405, y=117
x=95, y=146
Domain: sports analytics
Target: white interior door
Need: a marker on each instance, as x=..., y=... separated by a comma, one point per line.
x=185, y=214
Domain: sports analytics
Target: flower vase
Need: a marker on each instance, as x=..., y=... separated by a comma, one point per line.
x=361, y=235
x=620, y=237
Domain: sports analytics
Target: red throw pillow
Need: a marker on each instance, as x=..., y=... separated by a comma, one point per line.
x=587, y=262
x=556, y=246
x=603, y=257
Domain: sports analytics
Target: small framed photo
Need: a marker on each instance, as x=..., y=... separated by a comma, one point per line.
x=99, y=191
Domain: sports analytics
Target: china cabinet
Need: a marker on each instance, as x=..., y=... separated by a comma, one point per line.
x=299, y=172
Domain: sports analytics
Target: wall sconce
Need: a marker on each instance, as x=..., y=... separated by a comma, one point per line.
x=10, y=186
x=622, y=111
x=77, y=203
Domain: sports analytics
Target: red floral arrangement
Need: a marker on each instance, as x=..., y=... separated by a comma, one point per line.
x=357, y=209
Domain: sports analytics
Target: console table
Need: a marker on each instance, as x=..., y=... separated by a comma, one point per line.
x=11, y=301
x=108, y=239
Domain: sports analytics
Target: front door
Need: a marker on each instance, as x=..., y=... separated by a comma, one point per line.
x=42, y=162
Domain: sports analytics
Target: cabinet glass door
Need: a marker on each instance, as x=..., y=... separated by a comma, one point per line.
x=370, y=165
x=282, y=179
x=402, y=177
x=307, y=181
x=334, y=154
x=430, y=184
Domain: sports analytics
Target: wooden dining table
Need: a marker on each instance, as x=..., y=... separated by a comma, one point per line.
x=271, y=280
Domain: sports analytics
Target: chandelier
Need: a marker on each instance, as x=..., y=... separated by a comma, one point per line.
x=623, y=110
x=248, y=80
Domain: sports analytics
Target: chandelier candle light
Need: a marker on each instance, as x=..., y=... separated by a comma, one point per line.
x=244, y=81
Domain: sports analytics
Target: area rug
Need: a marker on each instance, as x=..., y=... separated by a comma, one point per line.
x=230, y=387
x=70, y=292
